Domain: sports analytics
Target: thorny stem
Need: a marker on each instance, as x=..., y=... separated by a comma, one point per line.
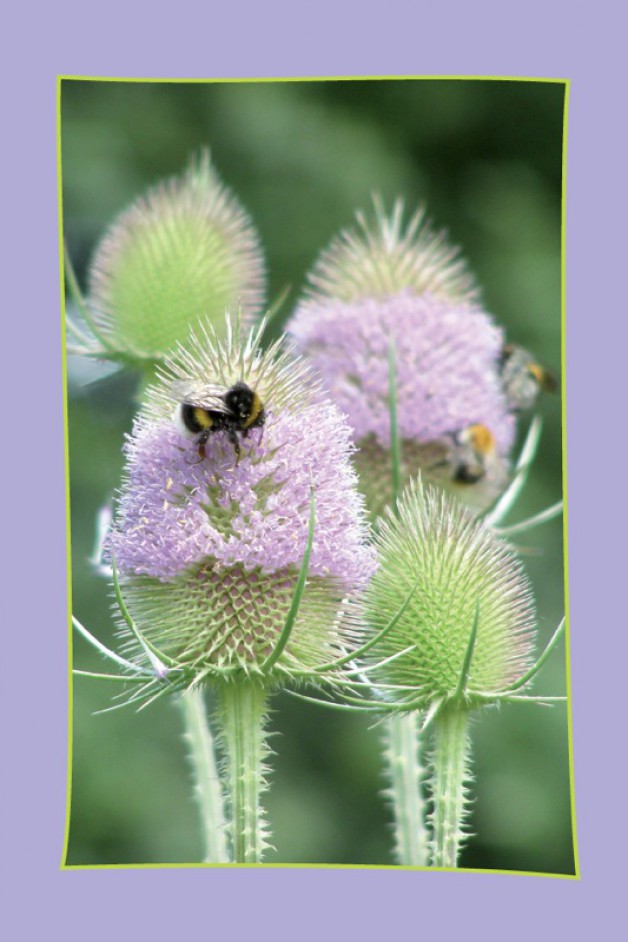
x=207, y=782
x=402, y=751
x=450, y=770
x=242, y=713
x=406, y=773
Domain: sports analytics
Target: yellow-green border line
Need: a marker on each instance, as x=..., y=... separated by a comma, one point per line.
x=339, y=78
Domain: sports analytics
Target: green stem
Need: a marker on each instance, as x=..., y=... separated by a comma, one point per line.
x=242, y=713
x=450, y=765
x=206, y=778
x=406, y=773
x=403, y=751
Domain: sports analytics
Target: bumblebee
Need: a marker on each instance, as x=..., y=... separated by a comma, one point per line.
x=523, y=378
x=471, y=452
x=205, y=410
x=463, y=456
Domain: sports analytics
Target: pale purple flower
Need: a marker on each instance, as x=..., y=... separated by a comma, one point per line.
x=178, y=510
x=446, y=357
x=208, y=547
x=447, y=381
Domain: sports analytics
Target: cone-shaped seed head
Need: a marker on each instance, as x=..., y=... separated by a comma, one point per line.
x=459, y=567
x=208, y=544
x=185, y=250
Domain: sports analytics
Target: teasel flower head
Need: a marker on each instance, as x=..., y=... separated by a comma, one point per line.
x=215, y=536
x=433, y=361
x=457, y=603
x=184, y=250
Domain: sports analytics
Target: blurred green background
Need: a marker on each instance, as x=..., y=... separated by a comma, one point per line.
x=486, y=159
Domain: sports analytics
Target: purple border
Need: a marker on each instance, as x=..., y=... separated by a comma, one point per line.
x=535, y=40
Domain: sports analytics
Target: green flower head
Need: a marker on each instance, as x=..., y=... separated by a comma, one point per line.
x=184, y=251
x=459, y=602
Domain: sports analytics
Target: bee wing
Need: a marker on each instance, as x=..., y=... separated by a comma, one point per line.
x=204, y=395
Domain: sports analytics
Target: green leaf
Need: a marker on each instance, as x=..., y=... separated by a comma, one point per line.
x=541, y=661
x=291, y=617
x=468, y=657
x=395, y=443
x=159, y=660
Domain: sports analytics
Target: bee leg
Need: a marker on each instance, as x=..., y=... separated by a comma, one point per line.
x=233, y=438
x=201, y=441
